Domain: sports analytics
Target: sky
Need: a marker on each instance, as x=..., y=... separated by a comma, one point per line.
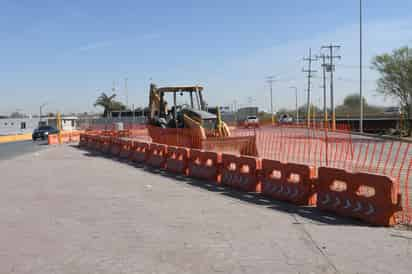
x=65, y=53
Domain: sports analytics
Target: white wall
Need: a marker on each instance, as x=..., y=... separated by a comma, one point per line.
x=67, y=124
x=11, y=126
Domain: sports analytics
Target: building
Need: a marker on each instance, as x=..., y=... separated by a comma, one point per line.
x=12, y=126
x=69, y=123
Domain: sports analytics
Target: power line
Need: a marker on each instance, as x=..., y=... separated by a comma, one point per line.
x=309, y=74
x=330, y=68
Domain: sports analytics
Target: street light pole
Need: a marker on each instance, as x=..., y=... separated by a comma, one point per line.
x=271, y=102
x=270, y=80
x=41, y=108
x=360, y=67
x=296, y=104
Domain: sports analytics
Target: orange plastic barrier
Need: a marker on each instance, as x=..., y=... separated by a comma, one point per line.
x=53, y=139
x=91, y=142
x=115, y=146
x=289, y=182
x=156, y=156
x=70, y=137
x=96, y=143
x=75, y=137
x=177, y=159
x=371, y=198
x=105, y=144
x=125, y=148
x=241, y=172
x=65, y=137
x=83, y=140
x=204, y=165
x=139, y=152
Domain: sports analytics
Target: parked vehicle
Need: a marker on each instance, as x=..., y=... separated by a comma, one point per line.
x=285, y=119
x=251, y=121
x=43, y=132
x=392, y=111
x=243, y=113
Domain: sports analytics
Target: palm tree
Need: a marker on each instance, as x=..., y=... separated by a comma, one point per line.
x=106, y=102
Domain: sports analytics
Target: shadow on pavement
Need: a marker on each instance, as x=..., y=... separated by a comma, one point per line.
x=314, y=215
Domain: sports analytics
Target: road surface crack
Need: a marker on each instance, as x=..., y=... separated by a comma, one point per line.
x=301, y=227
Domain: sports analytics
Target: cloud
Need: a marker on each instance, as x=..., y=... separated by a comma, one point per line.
x=94, y=45
x=105, y=44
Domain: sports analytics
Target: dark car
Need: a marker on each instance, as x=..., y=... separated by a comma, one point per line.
x=43, y=131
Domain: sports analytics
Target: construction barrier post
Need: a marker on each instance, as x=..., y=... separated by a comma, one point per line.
x=241, y=172
x=177, y=159
x=368, y=197
x=204, y=165
x=156, y=156
x=289, y=182
x=139, y=152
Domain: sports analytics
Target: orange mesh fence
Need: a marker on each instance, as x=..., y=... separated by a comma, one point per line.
x=316, y=146
x=341, y=149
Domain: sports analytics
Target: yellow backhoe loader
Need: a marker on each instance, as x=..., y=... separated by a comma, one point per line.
x=190, y=123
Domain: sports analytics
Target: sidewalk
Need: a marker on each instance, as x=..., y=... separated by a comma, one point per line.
x=63, y=210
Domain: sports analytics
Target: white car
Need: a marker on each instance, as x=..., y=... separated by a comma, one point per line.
x=286, y=120
x=251, y=121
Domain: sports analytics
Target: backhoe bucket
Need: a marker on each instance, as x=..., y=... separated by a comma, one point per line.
x=245, y=145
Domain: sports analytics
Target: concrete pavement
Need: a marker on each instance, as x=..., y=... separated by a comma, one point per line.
x=63, y=210
x=14, y=149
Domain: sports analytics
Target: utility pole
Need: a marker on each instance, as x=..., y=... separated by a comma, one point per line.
x=325, y=109
x=330, y=68
x=270, y=80
x=41, y=110
x=126, y=92
x=296, y=104
x=360, y=67
x=309, y=72
x=235, y=109
x=114, y=92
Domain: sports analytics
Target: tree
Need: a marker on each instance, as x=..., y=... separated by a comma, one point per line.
x=17, y=114
x=352, y=101
x=396, y=79
x=351, y=107
x=108, y=103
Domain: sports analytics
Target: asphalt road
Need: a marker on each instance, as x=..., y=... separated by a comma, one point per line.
x=11, y=150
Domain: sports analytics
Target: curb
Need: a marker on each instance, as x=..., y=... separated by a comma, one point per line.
x=15, y=138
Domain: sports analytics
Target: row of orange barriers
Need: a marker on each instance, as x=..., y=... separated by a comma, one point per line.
x=65, y=137
x=371, y=198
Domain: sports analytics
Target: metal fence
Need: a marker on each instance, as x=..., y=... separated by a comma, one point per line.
x=110, y=123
